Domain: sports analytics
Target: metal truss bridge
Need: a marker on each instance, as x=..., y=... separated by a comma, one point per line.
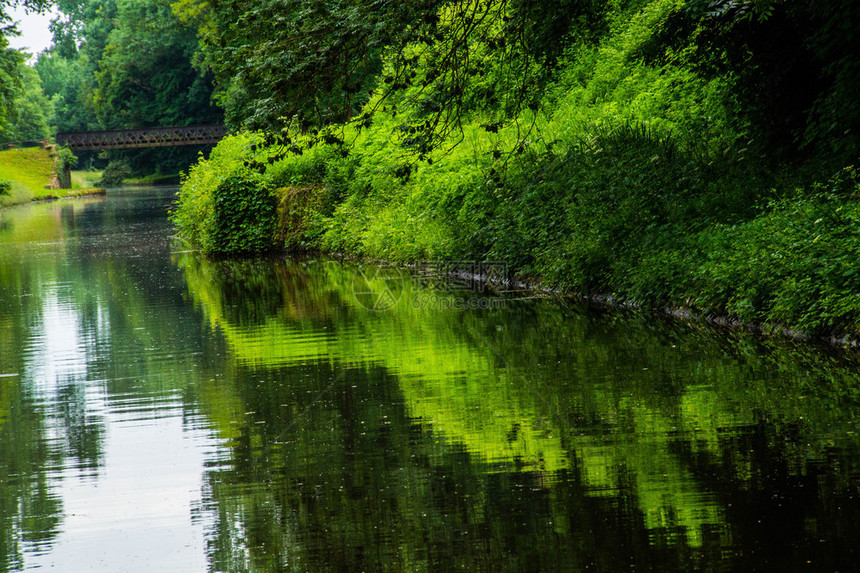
x=148, y=137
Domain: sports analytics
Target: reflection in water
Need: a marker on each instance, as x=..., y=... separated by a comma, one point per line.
x=418, y=438
x=164, y=412
x=86, y=481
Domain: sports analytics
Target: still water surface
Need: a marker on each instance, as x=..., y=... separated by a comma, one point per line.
x=161, y=412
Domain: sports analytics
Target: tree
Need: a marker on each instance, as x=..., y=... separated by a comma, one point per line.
x=68, y=83
x=24, y=111
x=321, y=62
x=10, y=81
x=17, y=85
x=32, y=110
x=145, y=77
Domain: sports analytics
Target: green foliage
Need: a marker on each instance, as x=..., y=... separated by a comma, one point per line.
x=145, y=76
x=279, y=62
x=10, y=82
x=795, y=67
x=12, y=62
x=5, y=187
x=68, y=69
x=65, y=158
x=225, y=208
x=795, y=264
x=31, y=110
x=68, y=83
x=243, y=215
x=645, y=171
x=115, y=173
x=298, y=216
x=194, y=211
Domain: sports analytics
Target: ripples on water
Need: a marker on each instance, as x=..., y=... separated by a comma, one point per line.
x=104, y=452
x=163, y=412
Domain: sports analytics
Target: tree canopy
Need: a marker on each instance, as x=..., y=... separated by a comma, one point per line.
x=273, y=65
x=281, y=61
x=23, y=111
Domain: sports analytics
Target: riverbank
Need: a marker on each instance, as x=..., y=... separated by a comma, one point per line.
x=29, y=172
x=493, y=278
x=640, y=175
x=788, y=260
x=155, y=179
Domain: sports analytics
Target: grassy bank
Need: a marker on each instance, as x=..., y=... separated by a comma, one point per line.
x=86, y=179
x=28, y=171
x=643, y=172
x=154, y=179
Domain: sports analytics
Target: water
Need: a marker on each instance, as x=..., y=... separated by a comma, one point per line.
x=160, y=412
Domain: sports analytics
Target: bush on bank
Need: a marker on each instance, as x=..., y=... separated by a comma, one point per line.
x=639, y=176
x=226, y=208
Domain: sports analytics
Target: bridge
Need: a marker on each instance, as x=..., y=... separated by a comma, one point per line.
x=147, y=137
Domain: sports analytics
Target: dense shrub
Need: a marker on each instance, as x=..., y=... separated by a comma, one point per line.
x=194, y=215
x=795, y=264
x=243, y=217
x=224, y=207
x=298, y=216
x=115, y=173
x=5, y=187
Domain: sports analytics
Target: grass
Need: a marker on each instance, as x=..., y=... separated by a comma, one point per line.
x=155, y=179
x=85, y=179
x=29, y=170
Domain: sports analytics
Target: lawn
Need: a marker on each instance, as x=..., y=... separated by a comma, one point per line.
x=29, y=170
x=86, y=179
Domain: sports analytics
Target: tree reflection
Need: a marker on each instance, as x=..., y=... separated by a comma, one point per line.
x=537, y=437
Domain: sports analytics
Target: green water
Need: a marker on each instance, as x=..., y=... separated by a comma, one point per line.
x=161, y=412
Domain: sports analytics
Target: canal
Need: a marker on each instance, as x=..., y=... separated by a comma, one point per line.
x=164, y=412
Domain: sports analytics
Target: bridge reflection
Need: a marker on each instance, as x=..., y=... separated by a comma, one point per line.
x=147, y=137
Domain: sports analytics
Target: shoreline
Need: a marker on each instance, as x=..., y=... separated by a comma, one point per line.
x=32, y=175
x=722, y=322
x=73, y=194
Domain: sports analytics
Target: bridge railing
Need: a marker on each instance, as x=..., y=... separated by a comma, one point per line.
x=146, y=137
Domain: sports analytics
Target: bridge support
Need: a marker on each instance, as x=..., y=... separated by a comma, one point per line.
x=61, y=177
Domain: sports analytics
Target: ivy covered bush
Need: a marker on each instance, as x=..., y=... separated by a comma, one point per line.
x=243, y=215
x=224, y=207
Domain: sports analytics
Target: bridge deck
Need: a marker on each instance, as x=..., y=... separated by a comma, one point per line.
x=148, y=137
